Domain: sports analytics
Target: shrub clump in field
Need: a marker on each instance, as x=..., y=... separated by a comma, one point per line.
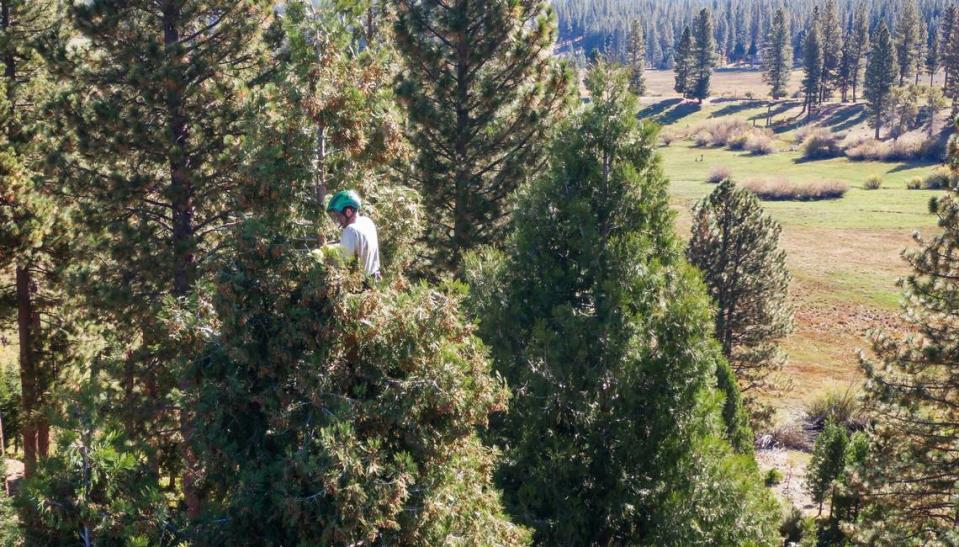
x=906, y=148
x=841, y=407
x=734, y=134
x=760, y=144
x=724, y=132
x=939, y=179
x=873, y=182
x=701, y=139
x=820, y=144
x=782, y=189
x=915, y=183
x=718, y=174
x=773, y=477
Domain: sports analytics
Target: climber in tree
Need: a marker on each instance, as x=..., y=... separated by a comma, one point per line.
x=358, y=239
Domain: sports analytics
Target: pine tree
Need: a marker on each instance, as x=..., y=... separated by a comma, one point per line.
x=736, y=246
x=703, y=56
x=315, y=430
x=340, y=85
x=908, y=40
x=812, y=64
x=936, y=101
x=827, y=463
x=950, y=62
x=933, y=57
x=860, y=46
x=481, y=90
x=846, y=63
x=777, y=57
x=902, y=110
x=919, y=56
x=593, y=345
x=831, y=38
x=683, y=68
x=881, y=70
x=34, y=227
x=636, y=57
x=910, y=481
x=156, y=167
x=947, y=56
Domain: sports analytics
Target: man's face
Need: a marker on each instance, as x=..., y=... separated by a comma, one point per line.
x=342, y=219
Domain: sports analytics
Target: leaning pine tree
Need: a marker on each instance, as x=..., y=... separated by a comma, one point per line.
x=910, y=480
x=482, y=89
x=602, y=330
x=736, y=246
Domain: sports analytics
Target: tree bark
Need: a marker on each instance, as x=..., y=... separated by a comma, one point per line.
x=35, y=430
x=184, y=241
x=27, y=320
x=462, y=228
x=878, y=113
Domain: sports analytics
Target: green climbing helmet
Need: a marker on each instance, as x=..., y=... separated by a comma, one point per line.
x=343, y=199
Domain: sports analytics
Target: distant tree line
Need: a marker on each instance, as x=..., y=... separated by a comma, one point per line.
x=740, y=27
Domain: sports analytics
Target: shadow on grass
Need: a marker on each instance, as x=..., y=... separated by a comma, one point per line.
x=657, y=109
x=843, y=117
x=736, y=108
x=679, y=112
x=669, y=111
x=905, y=166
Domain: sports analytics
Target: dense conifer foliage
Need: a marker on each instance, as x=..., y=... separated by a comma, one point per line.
x=777, y=56
x=736, y=246
x=332, y=414
x=603, y=333
x=880, y=74
x=200, y=364
x=481, y=89
x=34, y=227
x=909, y=479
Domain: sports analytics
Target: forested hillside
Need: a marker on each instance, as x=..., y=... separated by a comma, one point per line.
x=740, y=26
x=395, y=273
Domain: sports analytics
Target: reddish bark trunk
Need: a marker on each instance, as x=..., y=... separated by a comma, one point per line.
x=184, y=242
x=27, y=320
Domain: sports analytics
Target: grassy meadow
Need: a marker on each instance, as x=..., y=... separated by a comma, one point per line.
x=844, y=254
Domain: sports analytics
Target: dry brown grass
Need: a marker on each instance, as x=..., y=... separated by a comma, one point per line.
x=782, y=189
x=724, y=83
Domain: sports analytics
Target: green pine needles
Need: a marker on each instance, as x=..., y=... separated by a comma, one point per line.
x=736, y=246
x=910, y=480
x=481, y=92
x=614, y=433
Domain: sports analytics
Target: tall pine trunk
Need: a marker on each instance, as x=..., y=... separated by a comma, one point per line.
x=878, y=118
x=184, y=241
x=28, y=320
x=35, y=430
x=461, y=222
